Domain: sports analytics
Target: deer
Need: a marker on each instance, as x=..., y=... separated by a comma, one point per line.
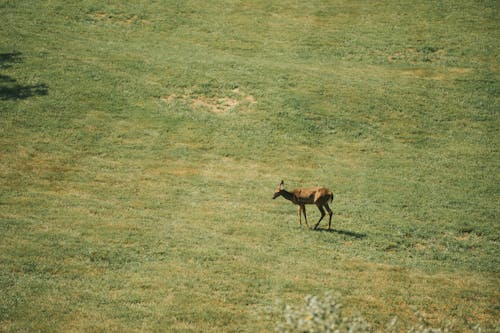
x=308, y=196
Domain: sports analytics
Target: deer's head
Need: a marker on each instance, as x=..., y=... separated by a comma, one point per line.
x=278, y=190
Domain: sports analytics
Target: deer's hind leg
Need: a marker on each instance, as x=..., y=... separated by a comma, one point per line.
x=322, y=211
x=329, y=213
x=299, y=212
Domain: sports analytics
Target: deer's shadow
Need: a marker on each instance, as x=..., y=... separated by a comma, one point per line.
x=356, y=235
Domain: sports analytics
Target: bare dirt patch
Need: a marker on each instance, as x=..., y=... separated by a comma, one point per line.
x=464, y=236
x=236, y=99
x=421, y=246
x=169, y=98
x=215, y=105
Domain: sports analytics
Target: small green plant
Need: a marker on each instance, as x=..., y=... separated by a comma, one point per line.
x=325, y=315
x=321, y=315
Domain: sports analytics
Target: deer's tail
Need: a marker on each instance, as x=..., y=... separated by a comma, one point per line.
x=331, y=196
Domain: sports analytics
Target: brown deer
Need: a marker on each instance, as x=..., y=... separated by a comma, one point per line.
x=308, y=196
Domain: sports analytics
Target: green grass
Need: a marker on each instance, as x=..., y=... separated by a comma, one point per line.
x=141, y=143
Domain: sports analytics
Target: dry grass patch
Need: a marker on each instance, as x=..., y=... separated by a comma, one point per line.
x=117, y=19
x=437, y=74
x=229, y=168
x=413, y=55
x=236, y=99
x=215, y=105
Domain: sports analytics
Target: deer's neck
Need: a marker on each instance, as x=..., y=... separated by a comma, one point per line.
x=288, y=195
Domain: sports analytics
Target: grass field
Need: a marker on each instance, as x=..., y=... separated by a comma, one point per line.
x=141, y=143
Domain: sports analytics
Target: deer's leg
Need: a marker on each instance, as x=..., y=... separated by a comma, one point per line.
x=305, y=216
x=299, y=211
x=329, y=213
x=322, y=211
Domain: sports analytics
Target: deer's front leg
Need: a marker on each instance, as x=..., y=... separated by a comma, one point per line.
x=303, y=207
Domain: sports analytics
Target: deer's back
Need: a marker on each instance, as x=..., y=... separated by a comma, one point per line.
x=309, y=195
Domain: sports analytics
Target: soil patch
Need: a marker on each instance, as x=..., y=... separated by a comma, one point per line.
x=236, y=99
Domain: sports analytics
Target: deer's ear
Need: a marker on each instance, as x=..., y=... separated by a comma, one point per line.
x=282, y=185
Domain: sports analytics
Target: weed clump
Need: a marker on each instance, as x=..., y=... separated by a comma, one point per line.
x=325, y=315
x=321, y=315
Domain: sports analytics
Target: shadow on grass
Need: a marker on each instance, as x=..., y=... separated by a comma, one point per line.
x=343, y=232
x=10, y=89
x=7, y=59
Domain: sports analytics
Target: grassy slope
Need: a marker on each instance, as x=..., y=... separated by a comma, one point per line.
x=126, y=203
